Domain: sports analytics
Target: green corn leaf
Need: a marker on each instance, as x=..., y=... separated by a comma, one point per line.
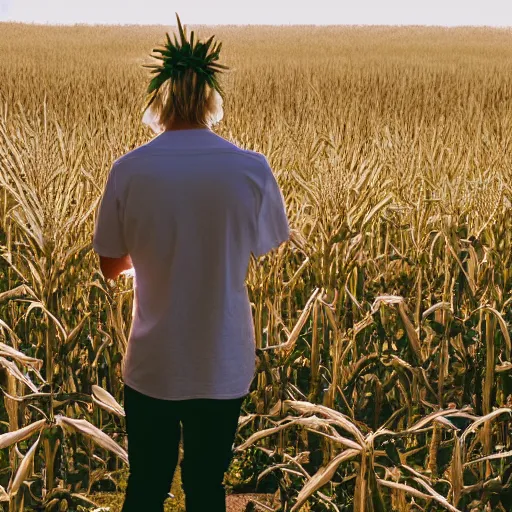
x=218, y=66
x=165, y=53
x=183, y=35
x=208, y=43
x=186, y=55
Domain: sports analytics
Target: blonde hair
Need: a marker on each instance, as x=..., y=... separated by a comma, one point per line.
x=188, y=99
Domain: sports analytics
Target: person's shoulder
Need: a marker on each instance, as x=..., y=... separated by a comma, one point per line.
x=237, y=148
x=259, y=159
x=231, y=145
x=131, y=155
x=251, y=158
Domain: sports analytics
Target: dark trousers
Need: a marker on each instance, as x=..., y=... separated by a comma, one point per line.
x=154, y=431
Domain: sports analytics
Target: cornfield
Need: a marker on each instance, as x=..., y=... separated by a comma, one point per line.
x=384, y=377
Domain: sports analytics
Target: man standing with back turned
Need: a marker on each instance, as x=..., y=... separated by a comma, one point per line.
x=186, y=210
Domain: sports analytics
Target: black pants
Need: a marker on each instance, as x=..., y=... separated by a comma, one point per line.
x=153, y=428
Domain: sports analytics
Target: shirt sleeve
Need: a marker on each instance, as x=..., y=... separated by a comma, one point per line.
x=272, y=223
x=108, y=239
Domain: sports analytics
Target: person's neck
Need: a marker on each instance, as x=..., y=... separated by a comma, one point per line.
x=178, y=124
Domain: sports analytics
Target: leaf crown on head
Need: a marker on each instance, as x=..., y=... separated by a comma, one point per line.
x=184, y=55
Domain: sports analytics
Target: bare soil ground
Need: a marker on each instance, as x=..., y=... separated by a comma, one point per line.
x=239, y=502
x=234, y=502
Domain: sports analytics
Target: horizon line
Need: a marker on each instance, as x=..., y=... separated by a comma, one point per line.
x=100, y=24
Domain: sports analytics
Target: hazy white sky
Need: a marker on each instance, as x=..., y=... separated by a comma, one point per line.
x=364, y=12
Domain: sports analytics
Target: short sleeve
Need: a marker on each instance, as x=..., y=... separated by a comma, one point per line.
x=272, y=223
x=108, y=237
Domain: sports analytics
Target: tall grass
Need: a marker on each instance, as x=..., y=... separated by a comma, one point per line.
x=382, y=329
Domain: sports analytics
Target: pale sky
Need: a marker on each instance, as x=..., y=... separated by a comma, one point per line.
x=279, y=12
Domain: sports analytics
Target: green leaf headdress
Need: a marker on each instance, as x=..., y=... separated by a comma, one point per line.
x=183, y=55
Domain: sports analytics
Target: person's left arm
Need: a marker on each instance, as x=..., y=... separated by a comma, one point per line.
x=108, y=239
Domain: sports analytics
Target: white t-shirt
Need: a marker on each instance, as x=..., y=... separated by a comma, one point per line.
x=189, y=207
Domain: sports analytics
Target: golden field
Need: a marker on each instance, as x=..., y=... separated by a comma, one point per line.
x=383, y=328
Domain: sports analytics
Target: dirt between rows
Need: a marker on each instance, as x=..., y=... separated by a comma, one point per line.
x=239, y=502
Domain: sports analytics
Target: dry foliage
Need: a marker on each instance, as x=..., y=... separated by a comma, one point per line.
x=384, y=378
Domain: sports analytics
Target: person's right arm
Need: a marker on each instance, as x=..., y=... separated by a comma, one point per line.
x=272, y=223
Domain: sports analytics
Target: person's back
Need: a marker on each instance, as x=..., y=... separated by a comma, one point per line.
x=191, y=209
x=185, y=211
